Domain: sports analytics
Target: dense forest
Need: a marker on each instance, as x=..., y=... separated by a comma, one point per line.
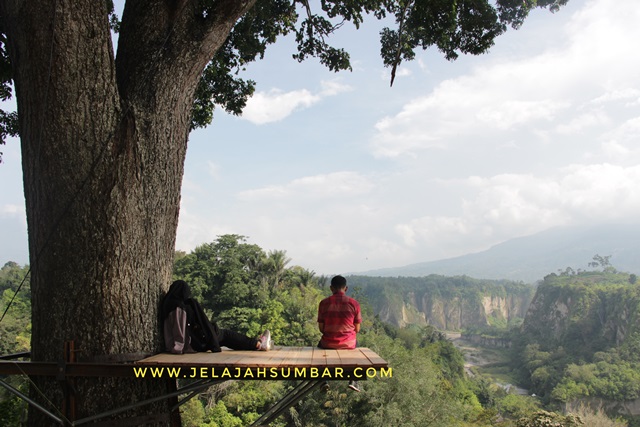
x=581, y=338
x=247, y=289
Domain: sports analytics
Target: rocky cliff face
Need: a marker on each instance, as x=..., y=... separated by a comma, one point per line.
x=447, y=303
x=583, y=313
x=580, y=340
x=450, y=313
x=459, y=312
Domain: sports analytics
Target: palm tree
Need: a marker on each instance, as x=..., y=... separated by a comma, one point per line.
x=276, y=263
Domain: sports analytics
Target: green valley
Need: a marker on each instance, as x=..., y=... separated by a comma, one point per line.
x=458, y=346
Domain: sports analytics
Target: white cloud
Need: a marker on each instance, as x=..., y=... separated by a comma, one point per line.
x=630, y=95
x=515, y=112
x=584, y=121
x=12, y=210
x=508, y=205
x=572, y=86
x=601, y=192
x=333, y=87
x=333, y=185
x=214, y=169
x=195, y=230
x=276, y=105
x=402, y=71
x=628, y=131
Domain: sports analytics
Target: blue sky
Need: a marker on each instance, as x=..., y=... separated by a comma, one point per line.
x=347, y=174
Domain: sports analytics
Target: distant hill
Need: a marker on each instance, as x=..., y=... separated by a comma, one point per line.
x=531, y=258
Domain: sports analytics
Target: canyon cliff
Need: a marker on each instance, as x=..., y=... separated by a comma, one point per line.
x=447, y=303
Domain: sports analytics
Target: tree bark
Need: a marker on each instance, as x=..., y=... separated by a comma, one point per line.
x=103, y=147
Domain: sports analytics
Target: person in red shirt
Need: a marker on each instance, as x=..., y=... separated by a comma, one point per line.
x=339, y=319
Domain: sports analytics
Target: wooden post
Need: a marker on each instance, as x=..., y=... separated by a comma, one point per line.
x=69, y=384
x=175, y=420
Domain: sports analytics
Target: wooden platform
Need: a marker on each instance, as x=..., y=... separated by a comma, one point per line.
x=279, y=357
x=310, y=365
x=211, y=365
x=279, y=363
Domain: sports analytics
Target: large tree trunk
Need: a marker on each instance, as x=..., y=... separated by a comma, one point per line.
x=103, y=147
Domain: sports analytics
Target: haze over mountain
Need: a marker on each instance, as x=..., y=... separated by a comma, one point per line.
x=532, y=257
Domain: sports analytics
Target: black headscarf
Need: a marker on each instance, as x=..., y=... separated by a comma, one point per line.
x=178, y=293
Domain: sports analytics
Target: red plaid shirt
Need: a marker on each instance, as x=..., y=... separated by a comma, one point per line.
x=339, y=313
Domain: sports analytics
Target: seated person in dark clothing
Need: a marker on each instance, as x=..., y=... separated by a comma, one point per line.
x=187, y=329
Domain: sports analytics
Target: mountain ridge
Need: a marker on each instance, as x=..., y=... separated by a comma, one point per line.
x=530, y=258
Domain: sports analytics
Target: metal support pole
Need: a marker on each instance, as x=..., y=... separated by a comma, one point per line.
x=32, y=402
x=183, y=401
x=187, y=389
x=189, y=397
x=290, y=399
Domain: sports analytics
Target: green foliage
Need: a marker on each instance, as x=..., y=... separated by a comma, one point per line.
x=439, y=286
x=192, y=413
x=13, y=411
x=418, y=393
x=220, y=417
x=581, y=416
x=550, y=419
x=452, y=27
x=300, y=309
x=8, y=120
x=15, y=328
x=428, y=386
x=581, y=337
x=225, y=274
x=618, y=382
x=15, y=333
x=516, y=406
x=248, y=290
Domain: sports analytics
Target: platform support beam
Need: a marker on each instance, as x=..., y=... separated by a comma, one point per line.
x=31, y=402
x=187, y=389
x=192, y=389
x=290, y=399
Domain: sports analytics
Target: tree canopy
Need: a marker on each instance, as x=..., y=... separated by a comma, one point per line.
x=454, y=28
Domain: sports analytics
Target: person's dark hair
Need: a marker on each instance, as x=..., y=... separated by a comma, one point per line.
x=338, y=282
x=178, y=293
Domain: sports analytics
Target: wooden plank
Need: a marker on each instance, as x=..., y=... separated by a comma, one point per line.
x=293, y=355
x=279, y=356
x=351, y=358
x=304, y=357
x=333, y=358
x=227, y=357
x=373, y=357
x=265, y=359
x=197, y=359
x=158, y=358
x=319, y=357
x=253, y=358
